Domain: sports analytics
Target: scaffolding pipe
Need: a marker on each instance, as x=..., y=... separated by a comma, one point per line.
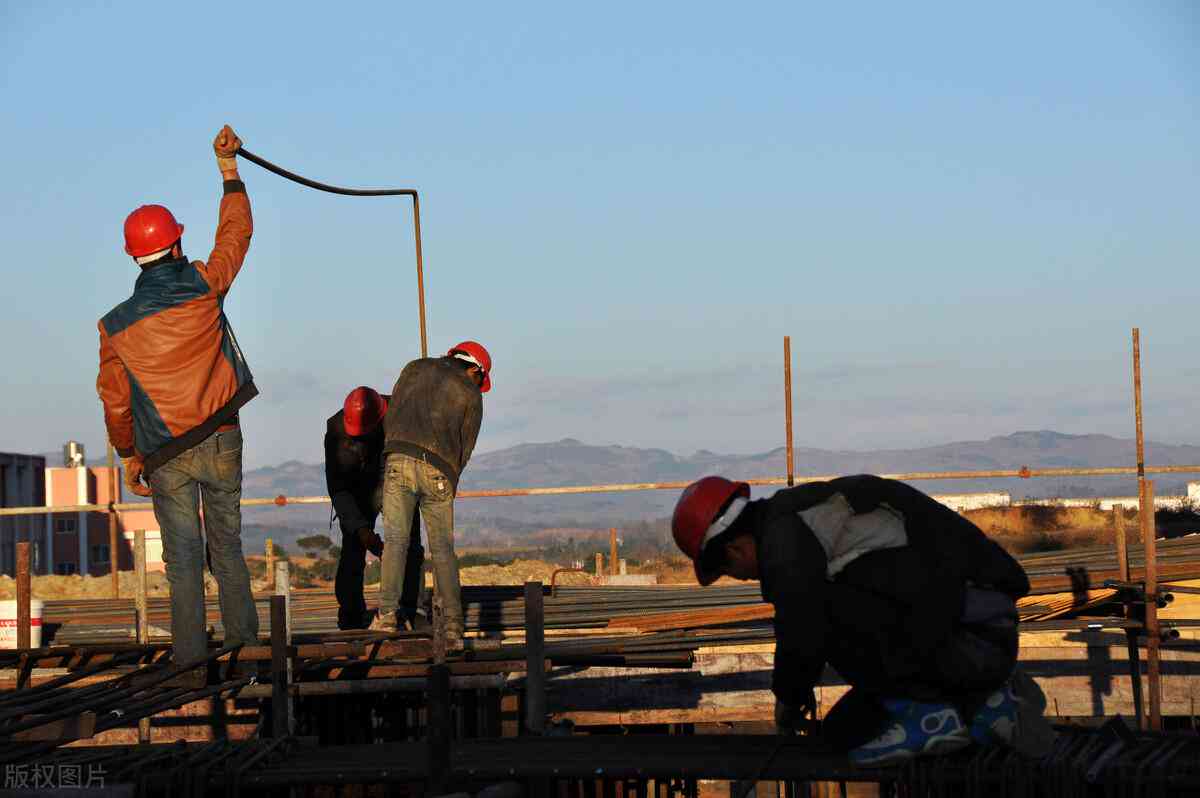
x=910, y=476
x=787, y=404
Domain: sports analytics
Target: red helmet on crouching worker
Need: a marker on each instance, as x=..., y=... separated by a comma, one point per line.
x=473, y=352
x=363, y=410
x=702, y=513
x=150, y=229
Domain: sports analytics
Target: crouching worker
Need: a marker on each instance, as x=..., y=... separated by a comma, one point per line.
x=907, y=600
x=354, y=476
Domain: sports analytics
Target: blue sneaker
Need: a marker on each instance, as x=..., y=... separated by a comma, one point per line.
x=996, y=722
x=916, y=729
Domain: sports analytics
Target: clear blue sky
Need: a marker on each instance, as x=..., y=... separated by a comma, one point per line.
x=957, y=213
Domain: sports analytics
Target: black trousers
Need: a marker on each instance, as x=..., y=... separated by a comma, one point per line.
x=348, y=583
x=871, y=649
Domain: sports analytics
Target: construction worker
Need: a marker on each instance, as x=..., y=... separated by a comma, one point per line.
x=353, y=474
x=172, y=380
x=430, y=429
x=909, y=602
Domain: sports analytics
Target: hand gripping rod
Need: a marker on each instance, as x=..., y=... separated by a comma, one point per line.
x=363, y=192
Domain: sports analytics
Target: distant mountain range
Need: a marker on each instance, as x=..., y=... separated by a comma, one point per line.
x=571, y=462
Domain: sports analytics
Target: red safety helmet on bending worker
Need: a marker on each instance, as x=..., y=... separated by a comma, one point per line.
x=363, y=410
x=474, y=352
x=706, y=509
x=150, y=229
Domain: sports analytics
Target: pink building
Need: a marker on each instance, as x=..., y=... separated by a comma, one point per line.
x=72, y=542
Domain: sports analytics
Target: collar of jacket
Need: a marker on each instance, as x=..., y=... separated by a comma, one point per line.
x=154, y=271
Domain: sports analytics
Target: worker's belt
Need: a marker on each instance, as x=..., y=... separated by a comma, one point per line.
x=425, y=456
x=230, y=427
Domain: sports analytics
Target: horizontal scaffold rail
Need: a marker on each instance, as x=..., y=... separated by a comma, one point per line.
x=1024, y=472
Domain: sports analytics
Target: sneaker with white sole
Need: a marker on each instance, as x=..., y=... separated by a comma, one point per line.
x=996, y=722
x=916, y=729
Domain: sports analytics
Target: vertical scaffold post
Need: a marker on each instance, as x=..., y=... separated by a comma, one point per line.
x=24, y=597
x=612, y=551
x=270, y=555
x=1150, y=548
x=535, y=658
x=139, y=609
x=114, y=497
x=787, y=404
x=280, y=720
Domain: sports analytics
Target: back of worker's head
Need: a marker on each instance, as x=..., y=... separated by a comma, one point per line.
x=704, y=521
x=151, y=233
x=363, y=411
x=474, y=358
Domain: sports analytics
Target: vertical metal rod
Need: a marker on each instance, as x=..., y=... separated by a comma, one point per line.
x=612, y=551
x=535, y=659
x=1150, y=547
x=279, y=674
x=599, y=564
x=1131, y=635
x=139, y=604
x=270, y=565
x=1137, y=403
x=24, y=596
x=787, y=402
x=420, y=272
x=113, y=498
x=283, y=590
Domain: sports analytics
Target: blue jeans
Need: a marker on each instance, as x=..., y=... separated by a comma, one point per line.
x=409, y=483
x=213, y=470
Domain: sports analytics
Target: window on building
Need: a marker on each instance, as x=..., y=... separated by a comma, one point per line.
x=64, y=524
x=99, y=553
x=64, y=568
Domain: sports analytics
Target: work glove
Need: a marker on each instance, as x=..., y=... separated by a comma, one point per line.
x=371, y=541
x=226, y=145
x=133, y=467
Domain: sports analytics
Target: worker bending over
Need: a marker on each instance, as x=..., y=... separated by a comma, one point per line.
x=907, y=600
x=354, y=476
x=172, y=379
x=430, y=429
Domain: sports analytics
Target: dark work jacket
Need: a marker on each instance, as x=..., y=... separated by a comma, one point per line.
x=352, y=471
x=928, y=576
x=434, y=415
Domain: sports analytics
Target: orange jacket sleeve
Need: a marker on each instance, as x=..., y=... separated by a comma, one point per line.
x=234, y=228
x=113, y=387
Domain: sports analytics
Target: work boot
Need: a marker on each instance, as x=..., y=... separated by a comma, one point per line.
x=384, y=622
x=916, y=729
x=996, y=722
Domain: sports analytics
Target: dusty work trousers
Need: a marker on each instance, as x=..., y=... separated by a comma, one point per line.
x=867, y=636
x=409, y=484
x=348, y=583
x=213, y=470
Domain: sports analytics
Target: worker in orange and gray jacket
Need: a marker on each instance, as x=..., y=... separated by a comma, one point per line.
x=172, y=379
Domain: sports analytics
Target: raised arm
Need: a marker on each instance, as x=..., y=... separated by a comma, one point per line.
x=235, y=225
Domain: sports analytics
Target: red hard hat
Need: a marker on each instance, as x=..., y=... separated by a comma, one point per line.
x=481, y=358
x=363, y=411
x=151, y=228
x=697, y=508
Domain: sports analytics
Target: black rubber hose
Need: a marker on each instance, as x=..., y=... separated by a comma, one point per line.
x=304, y=181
